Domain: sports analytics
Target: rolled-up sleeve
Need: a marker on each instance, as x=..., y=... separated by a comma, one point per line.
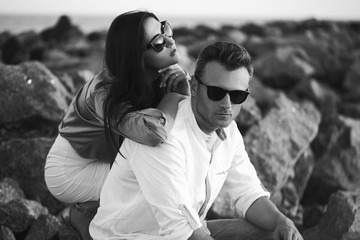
x=161, y=174
x=242, y=185
x=145, y=126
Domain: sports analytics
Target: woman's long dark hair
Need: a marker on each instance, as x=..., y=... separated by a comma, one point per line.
x=124, y=49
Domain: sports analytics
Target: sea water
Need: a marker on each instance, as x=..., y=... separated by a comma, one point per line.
x=21, y=23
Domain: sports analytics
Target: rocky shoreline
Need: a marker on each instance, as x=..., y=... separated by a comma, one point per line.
x=301, y=124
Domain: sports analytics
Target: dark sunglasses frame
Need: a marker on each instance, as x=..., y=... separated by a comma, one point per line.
x=163, y=35
x=217, y=93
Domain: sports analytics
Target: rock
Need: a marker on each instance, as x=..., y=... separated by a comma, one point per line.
x=317, y=92
x=349, y=109
x=6, y=233
x=20, y=214
x=250, y=114
x=33, y=44
x=277, y=142
x=258, y=47
x=284, y=67
x=57, y=59
x=337, y=166
x=341, y=219
x=38, y=100
x=23, y=47
x=10, y=190
x=24, y=161
x=4, y=36
x=293, y=190
x=254, y=29
x=278, y=147
x=45, y=227
x=312, y=215
x=14, y=52
x=329, y=59
x=352, y=78
x=340, y=165
x=74, y=80
x=236, y=36
x=64, y=31
x=264, y=96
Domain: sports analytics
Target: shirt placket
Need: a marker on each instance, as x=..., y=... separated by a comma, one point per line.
x=207, y=182
x=207, y=191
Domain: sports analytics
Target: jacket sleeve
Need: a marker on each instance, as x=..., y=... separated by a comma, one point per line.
x=145, y=126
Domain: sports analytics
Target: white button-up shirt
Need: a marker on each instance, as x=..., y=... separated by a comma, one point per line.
x=164, y=192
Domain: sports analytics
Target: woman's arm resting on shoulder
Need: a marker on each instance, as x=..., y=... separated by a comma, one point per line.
x=265, y=215
x=176, y=82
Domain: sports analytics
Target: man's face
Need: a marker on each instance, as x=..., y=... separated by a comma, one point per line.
x=210, y=114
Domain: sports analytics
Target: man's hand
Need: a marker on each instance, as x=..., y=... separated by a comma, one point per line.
x=286, y=230
x=264, y=214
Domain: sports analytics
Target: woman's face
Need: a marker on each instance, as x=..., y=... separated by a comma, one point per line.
x=167, y=56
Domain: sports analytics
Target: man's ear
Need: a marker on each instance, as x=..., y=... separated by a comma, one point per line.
x=193, y=86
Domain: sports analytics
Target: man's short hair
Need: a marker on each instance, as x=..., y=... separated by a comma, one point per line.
x=230, y=55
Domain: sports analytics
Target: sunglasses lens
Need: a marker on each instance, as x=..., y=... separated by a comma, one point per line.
x=158, y=43
x=238, y=97
x=215, y=93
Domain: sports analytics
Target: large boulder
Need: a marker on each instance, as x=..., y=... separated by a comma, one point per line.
x=284, y=67
x=14, y=51
x=10, y=190
x=6, y=233
x=20, y=214
x=24, y=161
x=338, y=165
x=279, y=140
x=352, y=79
x=31, y=98
x=250, y=114
x=63, y=31
x=341, y=220
x=279, y=148
x=45, y=227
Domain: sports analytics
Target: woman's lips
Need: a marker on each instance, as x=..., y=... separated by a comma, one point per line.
x=173, y=53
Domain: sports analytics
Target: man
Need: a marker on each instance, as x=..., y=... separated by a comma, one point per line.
x=165, y=192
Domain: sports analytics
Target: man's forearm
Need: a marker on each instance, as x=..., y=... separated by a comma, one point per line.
x=264, y=214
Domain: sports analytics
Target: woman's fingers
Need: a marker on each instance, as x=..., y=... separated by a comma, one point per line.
x=172, y=73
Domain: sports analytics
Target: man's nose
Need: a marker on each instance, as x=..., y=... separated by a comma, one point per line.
x=226, y=101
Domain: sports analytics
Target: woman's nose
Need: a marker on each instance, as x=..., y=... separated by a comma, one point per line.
x=169, y=41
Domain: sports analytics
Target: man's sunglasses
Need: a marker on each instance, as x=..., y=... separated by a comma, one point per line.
x=217, y=93
x=158, y=42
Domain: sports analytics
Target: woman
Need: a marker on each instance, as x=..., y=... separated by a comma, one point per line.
x=136, y=96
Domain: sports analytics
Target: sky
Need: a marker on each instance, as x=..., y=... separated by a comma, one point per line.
x=280, y=9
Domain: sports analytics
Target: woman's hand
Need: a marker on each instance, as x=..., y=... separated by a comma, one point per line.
x=175, y=79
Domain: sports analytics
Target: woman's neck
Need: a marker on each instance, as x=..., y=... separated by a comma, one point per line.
x=152, y=73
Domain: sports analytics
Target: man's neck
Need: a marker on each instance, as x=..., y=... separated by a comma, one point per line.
x=200, y=120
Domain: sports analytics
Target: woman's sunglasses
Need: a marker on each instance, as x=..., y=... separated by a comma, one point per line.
x=218, y=93
x=158, y=42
